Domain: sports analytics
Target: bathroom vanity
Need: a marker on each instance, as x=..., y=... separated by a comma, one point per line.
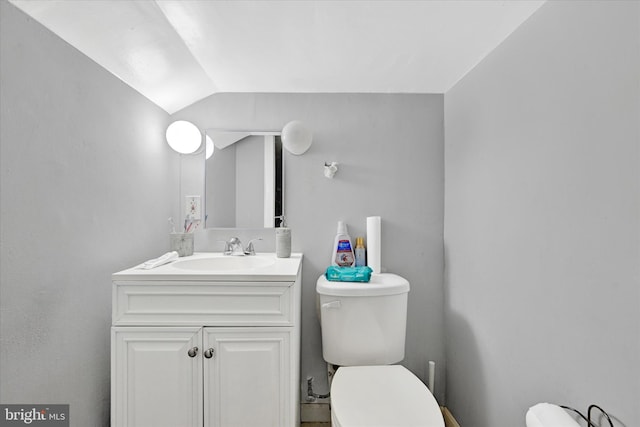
x=208, y=340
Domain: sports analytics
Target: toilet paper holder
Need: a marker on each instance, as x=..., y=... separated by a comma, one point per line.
x=330, y=169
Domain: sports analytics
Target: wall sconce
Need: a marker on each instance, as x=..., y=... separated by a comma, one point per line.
x=296, y=137
x=330, y=169
x=184, y=137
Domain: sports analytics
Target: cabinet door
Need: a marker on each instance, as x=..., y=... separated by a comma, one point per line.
x=247, y=381
x=155, y=380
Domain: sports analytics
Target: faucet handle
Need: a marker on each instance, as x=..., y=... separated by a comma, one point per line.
x=249, y=250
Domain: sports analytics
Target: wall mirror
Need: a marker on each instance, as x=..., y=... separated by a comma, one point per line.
x=244, y=182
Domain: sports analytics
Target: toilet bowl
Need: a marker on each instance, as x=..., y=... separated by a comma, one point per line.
x=363, y=332
x=382, y=396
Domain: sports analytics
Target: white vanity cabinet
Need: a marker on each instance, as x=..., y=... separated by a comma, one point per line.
x=153, y=380
x=206, y=349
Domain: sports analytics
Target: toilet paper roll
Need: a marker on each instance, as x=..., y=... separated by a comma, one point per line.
x=373, y=243
x=549, y=415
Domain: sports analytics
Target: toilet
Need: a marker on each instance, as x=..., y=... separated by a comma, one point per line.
x=363, y=333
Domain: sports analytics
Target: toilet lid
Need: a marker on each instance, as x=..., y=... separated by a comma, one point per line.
x=382, y=396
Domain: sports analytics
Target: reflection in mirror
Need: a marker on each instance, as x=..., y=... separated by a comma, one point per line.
x=243, y=184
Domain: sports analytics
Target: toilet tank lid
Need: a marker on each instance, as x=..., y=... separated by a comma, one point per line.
x=380, y=284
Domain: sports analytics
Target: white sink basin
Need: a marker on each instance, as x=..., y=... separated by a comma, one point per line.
x=224, y=263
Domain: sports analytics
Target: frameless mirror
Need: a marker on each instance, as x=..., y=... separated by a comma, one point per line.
x=244, y=185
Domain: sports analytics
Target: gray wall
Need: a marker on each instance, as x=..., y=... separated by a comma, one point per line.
x=87, y=185
x=542, y=221
x=390, y=151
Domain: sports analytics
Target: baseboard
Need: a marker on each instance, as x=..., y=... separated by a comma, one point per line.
x=449, y=421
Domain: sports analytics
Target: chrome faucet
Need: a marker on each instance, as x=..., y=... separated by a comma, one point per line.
x=233, y=246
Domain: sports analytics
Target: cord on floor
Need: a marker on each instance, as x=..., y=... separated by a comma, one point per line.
x=588, y=417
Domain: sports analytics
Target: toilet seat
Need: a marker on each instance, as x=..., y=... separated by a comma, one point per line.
x=382, y=396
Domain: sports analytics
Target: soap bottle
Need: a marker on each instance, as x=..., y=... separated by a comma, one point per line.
x=360, y=252
x=342, y=249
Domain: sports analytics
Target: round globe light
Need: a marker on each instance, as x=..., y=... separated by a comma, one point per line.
x=184, y=137
x=208, y=148
x=296, y=138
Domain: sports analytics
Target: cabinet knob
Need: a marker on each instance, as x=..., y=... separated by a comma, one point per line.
x=192, y=352
x=209, y=353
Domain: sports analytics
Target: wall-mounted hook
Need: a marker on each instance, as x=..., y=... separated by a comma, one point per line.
x=330, y=169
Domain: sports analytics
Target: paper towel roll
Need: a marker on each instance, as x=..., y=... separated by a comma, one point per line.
x=373, y=243
x=548, y=415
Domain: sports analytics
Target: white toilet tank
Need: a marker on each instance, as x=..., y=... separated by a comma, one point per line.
x=363, y=323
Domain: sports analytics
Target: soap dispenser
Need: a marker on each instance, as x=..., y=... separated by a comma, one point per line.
x=283, y=241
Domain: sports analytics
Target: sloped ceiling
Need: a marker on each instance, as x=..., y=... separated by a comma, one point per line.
x=176, y=52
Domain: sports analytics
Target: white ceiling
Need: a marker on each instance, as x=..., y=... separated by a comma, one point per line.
x=176, y=52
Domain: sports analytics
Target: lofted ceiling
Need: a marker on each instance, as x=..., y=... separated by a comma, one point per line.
x=176, y=52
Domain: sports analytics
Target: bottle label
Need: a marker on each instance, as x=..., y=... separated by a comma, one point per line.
x=344, y=245
x=344, y=254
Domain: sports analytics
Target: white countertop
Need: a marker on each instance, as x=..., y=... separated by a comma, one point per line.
x=281, y=269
